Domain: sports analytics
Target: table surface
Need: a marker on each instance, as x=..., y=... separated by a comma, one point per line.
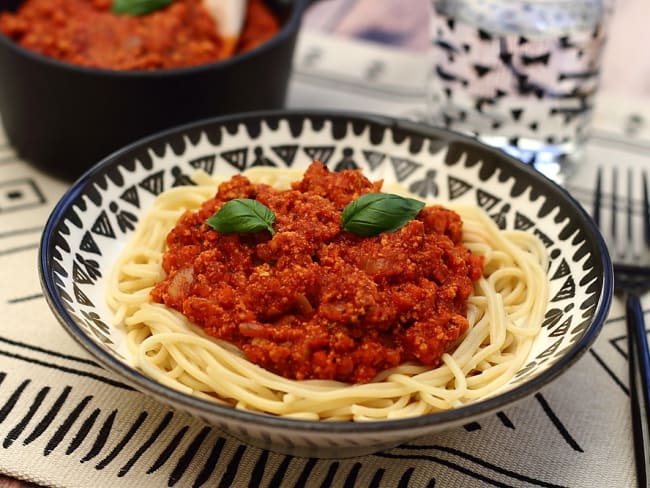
x=388, y=24
x=626, y=65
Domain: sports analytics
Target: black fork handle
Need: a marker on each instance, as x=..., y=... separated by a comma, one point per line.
x=639, y=364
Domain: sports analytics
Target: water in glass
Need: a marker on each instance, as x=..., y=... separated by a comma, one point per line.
x=520, y=75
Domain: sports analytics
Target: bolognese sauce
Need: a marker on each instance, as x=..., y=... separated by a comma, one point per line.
x=88, y=33
x=312, y=301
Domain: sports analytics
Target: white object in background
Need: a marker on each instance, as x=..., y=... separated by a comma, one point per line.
x=229, y=16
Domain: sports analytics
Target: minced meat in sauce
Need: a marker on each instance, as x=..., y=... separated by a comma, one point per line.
x=88, y=33
x=314, y=301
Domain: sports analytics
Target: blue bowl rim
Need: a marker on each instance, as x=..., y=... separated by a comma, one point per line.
x=412, y=424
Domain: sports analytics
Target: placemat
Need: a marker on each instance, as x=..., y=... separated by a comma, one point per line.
x=67, y=422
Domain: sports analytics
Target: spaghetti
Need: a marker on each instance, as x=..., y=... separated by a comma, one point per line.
x=504, y=314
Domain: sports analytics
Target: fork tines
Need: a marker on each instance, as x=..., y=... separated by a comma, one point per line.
x=623, y=215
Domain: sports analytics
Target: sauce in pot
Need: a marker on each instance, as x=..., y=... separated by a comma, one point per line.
x=88, y=33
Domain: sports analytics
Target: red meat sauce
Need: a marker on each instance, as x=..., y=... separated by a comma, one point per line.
x=314, y=301
x=88, y=33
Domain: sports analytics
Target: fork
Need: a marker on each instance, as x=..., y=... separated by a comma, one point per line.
x=631, y=257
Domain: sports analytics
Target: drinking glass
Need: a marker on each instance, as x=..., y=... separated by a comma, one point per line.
x=521, y=75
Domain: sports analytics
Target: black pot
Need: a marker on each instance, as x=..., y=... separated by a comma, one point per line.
x=64, y=118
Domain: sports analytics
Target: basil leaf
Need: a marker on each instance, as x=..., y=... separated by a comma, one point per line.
x=242, y=216
x=374, y=213
x=138, y=7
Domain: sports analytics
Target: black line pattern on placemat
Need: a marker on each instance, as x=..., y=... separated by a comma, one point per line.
x=31, y=411
x=505, y=420
x=617, y=344
x=230, y=475
x=135, y=426
x=164, y=423
x=453, y=466
x=211, y=463
x=331, y=473
x=64, y=369
x=83, y=431
x=26, y=298
x=19, y=249
x=257, y=474
x=603, y=364
x=404, y=481
x=466, y=457
x=187, y=457
x=520, y=477
x=306, y=472
x=334, y=471
x=376, y=478
x=101, y=439
x=472, y=426
x=352, y=476
x=67, y=424
x=475, y=425
x=555, y=420
x=12, y=400
x=48, y=352
x=169, y=450
x=20, y=194
x=18, y=232
x=279, y=473
x=48, y=418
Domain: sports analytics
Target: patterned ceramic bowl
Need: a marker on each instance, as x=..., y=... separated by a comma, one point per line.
x=91, y=223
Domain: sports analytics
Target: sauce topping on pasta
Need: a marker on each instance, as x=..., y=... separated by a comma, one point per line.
x=312, y=301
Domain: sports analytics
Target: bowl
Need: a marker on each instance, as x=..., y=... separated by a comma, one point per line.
x=63, y=118
x=85, y=229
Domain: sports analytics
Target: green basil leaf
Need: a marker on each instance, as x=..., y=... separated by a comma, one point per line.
x=374, y=213
x=138, y=7
x=242, y=216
